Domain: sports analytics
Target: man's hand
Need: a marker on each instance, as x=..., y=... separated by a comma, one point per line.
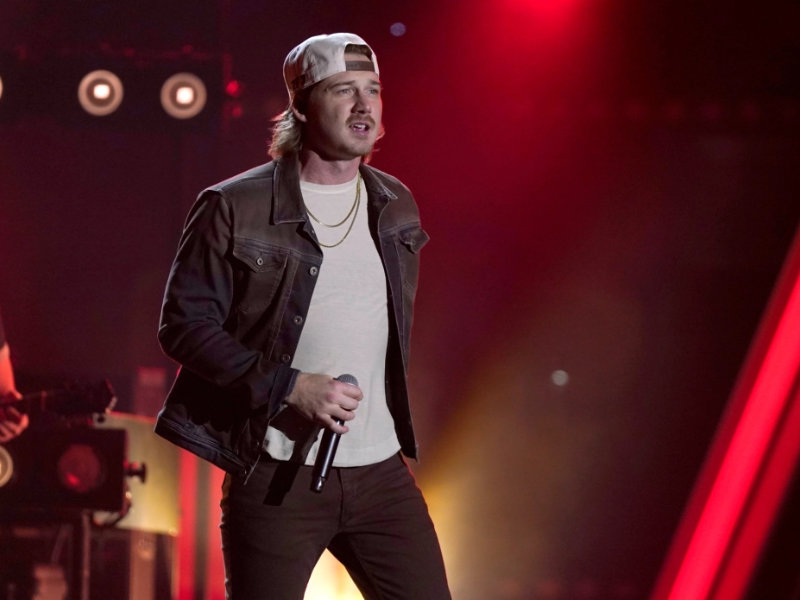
x=12, y=422
x=321, y=398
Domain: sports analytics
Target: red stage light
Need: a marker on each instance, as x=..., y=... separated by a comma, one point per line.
x=80, y=469
x=234, y=88
x=550, y=9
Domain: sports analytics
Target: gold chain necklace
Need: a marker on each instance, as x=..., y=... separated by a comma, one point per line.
x=353, y=211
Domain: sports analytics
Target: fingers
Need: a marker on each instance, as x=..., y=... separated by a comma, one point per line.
x=12, y=423
x=341, y=401
x=323, y=399
x=332, y=424
x=349, y=395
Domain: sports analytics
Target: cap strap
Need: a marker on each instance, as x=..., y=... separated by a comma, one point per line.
x=359, y=65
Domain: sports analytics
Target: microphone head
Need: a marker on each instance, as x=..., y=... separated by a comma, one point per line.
x=347, y=378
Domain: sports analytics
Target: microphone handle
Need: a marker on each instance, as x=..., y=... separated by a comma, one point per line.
x=327, y=447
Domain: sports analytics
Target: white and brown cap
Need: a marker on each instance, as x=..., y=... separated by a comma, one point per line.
x=320, y=57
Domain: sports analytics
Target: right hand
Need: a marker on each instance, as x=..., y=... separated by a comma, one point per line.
x=321, y=398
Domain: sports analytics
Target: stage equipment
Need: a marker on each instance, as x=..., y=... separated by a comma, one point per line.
x=61, y=462
x=100, y=93
x=183, y=95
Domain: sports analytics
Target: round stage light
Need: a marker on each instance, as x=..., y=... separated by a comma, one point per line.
x=80, y=469
x=100, y=93
x=183, y=95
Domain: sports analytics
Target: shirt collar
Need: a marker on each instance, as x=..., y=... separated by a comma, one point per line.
x=287, y=203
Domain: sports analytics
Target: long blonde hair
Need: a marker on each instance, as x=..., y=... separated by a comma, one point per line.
x=287, y=134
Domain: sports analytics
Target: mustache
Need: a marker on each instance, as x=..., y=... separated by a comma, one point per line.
x=368, y=120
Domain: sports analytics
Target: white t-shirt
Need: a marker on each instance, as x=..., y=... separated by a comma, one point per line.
x=346, y=331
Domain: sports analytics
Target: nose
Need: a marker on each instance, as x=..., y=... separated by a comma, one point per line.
x=361, y=105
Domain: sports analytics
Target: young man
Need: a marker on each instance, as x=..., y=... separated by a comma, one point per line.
x=287, y=276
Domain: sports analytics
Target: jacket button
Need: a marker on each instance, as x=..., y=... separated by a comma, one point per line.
x=259, y=261
x=285, y=358
x=313, y=271
x=298, y=320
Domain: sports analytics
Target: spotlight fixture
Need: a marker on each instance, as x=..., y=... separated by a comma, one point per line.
x=183, y=95
x=100, y=93
x=83, y=468
x=80, y=468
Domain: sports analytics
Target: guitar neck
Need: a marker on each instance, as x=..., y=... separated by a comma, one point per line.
x=35, y=402
x=69, y=401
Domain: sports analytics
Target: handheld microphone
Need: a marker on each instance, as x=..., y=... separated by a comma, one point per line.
x=327, y=447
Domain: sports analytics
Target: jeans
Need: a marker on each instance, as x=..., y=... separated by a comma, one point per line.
x=373, y=519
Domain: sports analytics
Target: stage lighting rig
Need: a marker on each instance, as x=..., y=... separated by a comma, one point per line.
x=165, y=90
x=183, y=95
x=100, y=92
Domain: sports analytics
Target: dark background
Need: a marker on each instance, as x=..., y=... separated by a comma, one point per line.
x=610, y=188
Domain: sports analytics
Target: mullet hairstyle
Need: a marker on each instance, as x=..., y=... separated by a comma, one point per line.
x=287, y=134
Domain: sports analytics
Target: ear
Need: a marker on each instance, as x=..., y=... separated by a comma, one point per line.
x=299, y=115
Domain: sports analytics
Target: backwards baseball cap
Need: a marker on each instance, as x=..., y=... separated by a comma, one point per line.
x=322, y=56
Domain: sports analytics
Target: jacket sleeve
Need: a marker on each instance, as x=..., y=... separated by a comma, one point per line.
x=197, y=303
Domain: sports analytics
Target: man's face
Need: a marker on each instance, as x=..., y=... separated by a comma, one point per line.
x=342, y=116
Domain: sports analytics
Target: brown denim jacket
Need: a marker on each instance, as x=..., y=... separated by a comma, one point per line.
x=237, y=298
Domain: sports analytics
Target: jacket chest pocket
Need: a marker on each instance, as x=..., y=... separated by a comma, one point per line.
x=259, y=269
x=408, y=242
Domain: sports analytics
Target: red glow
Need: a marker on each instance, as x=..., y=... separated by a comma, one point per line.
x=746, y=453
x=215, y=569
x=79, y=468
x=553, y=13
x=234, y=88
x=544, y=44
x=763, y=508
x=545, y=7
x=186, y=537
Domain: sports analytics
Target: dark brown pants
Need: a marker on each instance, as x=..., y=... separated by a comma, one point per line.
x=373, y=519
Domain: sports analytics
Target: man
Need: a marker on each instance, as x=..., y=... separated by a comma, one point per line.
x=286, y=276
x=12, y=422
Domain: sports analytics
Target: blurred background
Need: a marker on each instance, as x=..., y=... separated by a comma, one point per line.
x=611, y=188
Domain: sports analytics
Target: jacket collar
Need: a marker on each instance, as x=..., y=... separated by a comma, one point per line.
x=375, y=187
x=287, y=200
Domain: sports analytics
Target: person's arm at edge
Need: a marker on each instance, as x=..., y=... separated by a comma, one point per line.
x=12, y=422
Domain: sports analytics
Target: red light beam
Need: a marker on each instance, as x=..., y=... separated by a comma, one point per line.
x=742, y=455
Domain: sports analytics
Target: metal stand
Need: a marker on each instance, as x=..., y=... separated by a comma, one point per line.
x=83, y=542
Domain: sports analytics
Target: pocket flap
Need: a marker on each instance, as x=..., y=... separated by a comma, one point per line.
x=259, y=257
x=415, y=238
